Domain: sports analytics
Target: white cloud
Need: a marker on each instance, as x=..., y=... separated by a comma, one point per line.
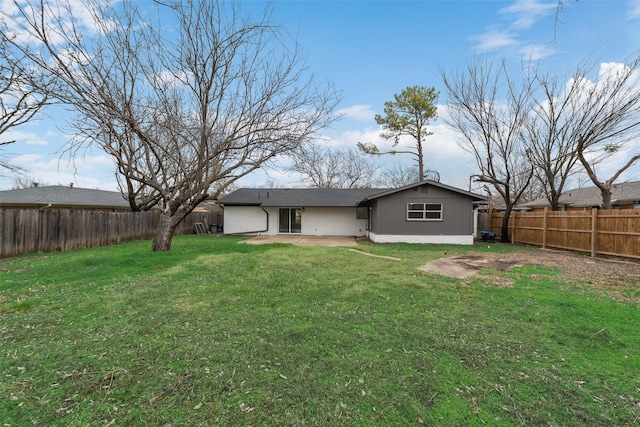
x=362, y=113
x=27, y=138
x=521, y=16
x=26, y=159
x=535, y=52
x=59, y=18
x=494, y=39
x=86, y=172
x=525, y=13
x=352, y=137
x=634, y=9
x=612, y=70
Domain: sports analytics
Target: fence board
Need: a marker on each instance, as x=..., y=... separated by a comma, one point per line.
x=30, y=230
x=599, y=232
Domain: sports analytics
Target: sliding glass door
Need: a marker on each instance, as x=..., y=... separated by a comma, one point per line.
x=290, y=220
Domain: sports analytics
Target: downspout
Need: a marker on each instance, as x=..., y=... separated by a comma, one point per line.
x=261, y=231
x=266, y=229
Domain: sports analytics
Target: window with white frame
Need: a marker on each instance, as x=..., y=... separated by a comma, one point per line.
x=424, y=211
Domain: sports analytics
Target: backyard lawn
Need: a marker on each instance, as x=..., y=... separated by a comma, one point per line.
x=218, y=332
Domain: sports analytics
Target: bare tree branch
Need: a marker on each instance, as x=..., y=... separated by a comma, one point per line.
x=549, y=133
x=327, y=168
x=184, y=111
x=397, y=176
x=491, y=124
x=607, y=119
x=23, y=93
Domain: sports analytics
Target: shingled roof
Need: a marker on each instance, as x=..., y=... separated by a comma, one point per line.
x=319, y=197
x=622, y=193
x=63, y=196
x=309, y=197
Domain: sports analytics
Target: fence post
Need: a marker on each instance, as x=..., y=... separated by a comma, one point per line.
x=544, y=227
x=594, y=232
x=513, y=224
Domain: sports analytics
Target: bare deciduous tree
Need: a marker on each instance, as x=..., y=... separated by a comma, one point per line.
x=548, y=133
x=397, y=176
x=326, y=168
x=607, y=119
x=490, y=123
x=184, y=110
x=577, y=123
x=24, y=181
x=20, y=95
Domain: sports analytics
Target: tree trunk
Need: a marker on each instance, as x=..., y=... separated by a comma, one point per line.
x=606, y=197
x=164, y=233
x=554, y=201
x=420, y=160
x=504, y=236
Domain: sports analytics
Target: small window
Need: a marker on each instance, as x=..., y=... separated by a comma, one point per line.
x=424, y=211
x=362, y=213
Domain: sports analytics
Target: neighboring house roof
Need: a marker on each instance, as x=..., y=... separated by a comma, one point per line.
x=309, y=197
x=388, y=192
x=622, y=193
x=318, y=197
x=498, y=204
x=62, y=196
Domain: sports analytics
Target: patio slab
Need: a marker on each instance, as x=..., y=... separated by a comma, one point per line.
x=304, y=240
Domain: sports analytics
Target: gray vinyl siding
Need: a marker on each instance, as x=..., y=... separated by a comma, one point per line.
x=389, y=213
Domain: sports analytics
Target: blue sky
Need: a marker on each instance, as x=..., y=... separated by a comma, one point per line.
x=371, y=50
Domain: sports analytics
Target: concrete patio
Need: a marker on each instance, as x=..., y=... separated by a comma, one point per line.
x=300, y=240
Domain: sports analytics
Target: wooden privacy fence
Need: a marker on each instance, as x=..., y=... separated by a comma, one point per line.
x=30, y=230
x=598, y=232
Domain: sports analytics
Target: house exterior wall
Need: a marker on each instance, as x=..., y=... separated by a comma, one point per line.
x=339, y=221
x=319, y=221
x=244, y=219
x=389, y=221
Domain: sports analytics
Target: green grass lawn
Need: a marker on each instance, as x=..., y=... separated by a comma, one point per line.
x=220, y=332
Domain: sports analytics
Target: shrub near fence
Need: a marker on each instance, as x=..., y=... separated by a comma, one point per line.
x=31, y=230
x=598, y=232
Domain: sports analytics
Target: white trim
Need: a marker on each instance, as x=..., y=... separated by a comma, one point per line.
x=337, y=221
x=436, y=239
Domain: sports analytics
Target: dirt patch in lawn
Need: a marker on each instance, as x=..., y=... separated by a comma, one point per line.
x=618, y=278
x=463, y=266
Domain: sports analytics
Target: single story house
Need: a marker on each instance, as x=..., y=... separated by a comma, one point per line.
x=63, y=197
x=424, y=212
x=625, y=195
